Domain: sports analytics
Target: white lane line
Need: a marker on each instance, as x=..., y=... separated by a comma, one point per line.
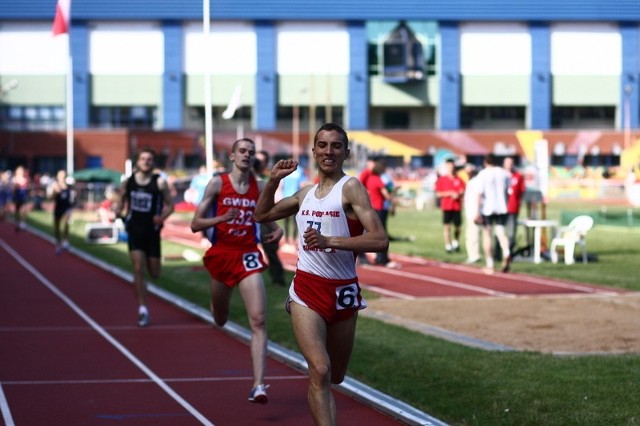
x=386, y=292
x=443, y=282
x=519, y=277
x=4, y=408
x=173, y=380
x=157, y=380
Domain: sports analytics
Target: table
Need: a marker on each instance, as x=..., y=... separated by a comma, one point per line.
x=537, y=225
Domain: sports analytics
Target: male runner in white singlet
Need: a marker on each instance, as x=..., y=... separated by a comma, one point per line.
x=324, y=297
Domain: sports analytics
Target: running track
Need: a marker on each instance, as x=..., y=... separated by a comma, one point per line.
x=70, y=353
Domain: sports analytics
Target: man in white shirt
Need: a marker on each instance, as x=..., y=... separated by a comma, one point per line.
x=492, y=210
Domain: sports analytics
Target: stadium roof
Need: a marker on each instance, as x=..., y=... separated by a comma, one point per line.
x=438, y=10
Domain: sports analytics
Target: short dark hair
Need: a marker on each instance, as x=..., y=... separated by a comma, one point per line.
x=490, y=159
x=333, y=127
x=236, y=143
x=146, y=151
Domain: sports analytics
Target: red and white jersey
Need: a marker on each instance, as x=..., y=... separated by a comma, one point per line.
x=327, y=215
x=243, y=230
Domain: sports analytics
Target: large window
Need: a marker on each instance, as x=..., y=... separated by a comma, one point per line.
x=379, y=31
x=31, y=118
x=493, y=117
x=131, y=117
x=396, y=119
x=583, y=117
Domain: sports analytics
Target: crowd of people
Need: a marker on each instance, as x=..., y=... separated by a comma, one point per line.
x=491, y=199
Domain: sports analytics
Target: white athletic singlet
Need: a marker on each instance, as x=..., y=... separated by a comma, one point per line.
x=328, y=216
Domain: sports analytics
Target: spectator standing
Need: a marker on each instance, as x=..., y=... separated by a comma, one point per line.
x=515, y=192
x=363, y=177
x=324, y=297
x=227, y=212
x=492, y=207
x=198, y=184
x=472, y=229
x=379, y=196
x=148, y=202
x=450, y=190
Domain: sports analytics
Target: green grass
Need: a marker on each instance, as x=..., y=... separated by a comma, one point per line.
x=457, y=384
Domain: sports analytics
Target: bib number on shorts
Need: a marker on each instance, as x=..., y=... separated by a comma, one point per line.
x=251, y=261
x=347, y=297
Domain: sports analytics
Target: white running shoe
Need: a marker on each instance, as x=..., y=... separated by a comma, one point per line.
x=143, y=319
x=259, y=394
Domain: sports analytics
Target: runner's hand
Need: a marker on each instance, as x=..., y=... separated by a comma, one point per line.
x=230, y=214
x=314, y=239
x=283, y=168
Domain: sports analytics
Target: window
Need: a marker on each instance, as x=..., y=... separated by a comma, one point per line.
x=492, y=117
x=580, y=117
x=395, y=119
x=131, y=117
x=32, y=117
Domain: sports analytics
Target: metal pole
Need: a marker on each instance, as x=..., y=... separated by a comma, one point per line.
x=69, y=113
x=296, y=131
x=208, y=110
x=627, y=116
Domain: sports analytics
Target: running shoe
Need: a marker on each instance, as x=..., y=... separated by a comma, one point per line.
x=259, y=394
x=506, y=264
x=143, y=319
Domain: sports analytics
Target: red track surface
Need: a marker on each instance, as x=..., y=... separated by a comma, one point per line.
x=70, y=353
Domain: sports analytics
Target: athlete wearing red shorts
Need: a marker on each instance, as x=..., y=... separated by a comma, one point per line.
x=234, y=243
x=226, y=213
x=325, y=295
x=326, y=280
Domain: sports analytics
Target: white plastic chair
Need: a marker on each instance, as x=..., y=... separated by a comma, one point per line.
x=569, y=236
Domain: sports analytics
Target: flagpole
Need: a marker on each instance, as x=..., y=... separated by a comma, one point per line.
x=69, y=112
x=208, y=115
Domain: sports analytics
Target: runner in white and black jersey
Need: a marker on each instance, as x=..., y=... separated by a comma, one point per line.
x=324, y=297
x=147, y=199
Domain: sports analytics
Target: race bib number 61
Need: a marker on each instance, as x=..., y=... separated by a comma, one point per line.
x=347, y=297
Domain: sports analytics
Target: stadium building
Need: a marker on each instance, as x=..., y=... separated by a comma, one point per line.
x=468, y=76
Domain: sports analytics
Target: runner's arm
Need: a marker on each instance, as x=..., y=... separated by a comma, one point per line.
x=200, y=220
x=167, y=201
x=267, y=210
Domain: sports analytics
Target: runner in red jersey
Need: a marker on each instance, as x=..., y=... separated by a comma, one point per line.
x=226, y=213
x=325, y=295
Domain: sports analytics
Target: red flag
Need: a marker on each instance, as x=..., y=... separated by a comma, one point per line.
x=61, y=21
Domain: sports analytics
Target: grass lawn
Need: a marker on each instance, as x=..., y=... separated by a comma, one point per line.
x=460, y=385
